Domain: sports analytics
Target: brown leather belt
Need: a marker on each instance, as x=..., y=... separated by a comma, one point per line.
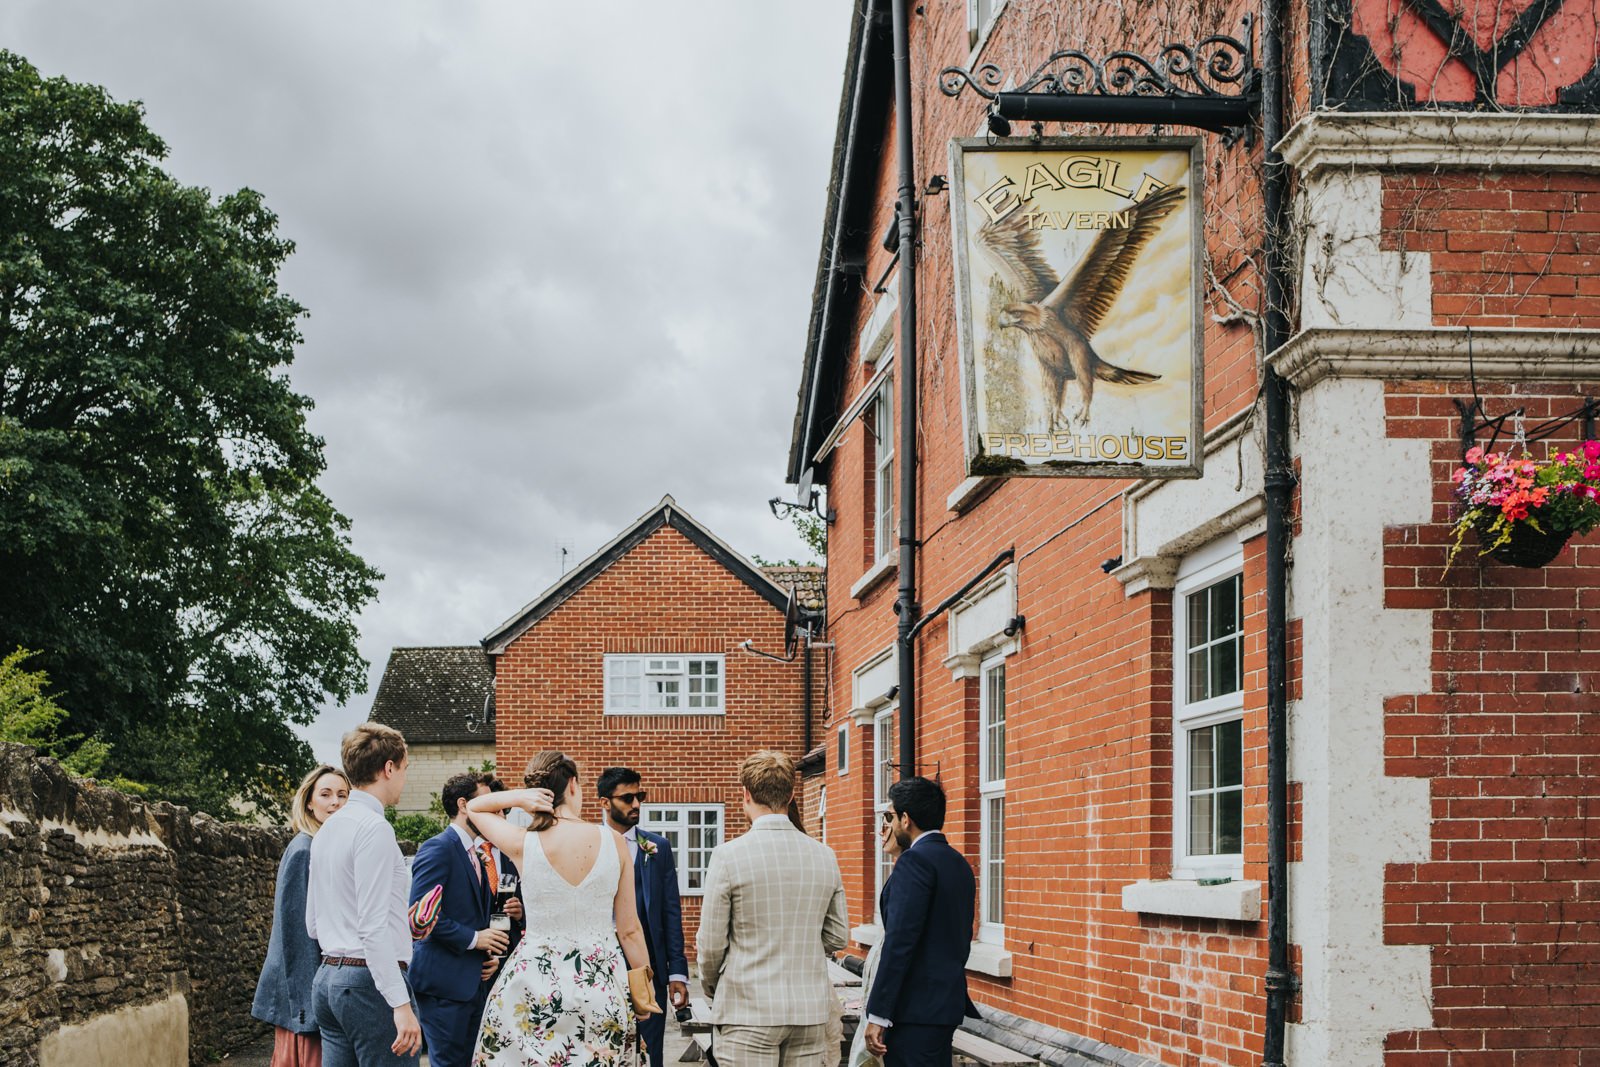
x=352, y=961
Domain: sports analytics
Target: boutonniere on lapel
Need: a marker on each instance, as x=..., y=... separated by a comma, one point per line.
x=647, y=848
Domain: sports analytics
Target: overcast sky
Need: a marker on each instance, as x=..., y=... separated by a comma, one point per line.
x=558, y=257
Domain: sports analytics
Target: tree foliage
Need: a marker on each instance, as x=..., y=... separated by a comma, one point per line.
x=30, y=716
x=162, y=536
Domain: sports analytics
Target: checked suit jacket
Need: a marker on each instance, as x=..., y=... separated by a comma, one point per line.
x=773, y=912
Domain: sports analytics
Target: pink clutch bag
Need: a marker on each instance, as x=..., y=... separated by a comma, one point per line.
x=425, y=912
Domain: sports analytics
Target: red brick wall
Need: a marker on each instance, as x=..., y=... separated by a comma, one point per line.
x=1089, y=795
x=1509, y=901
x=666, y=595
x=1506, y=249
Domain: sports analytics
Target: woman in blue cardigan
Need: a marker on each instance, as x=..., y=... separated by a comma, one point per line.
x=283, y=995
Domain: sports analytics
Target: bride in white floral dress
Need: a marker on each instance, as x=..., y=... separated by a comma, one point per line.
x=561, y=999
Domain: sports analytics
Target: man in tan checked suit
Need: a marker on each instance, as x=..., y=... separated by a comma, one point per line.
x=773, y=911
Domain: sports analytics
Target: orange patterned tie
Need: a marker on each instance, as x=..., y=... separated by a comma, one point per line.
x=489, y=867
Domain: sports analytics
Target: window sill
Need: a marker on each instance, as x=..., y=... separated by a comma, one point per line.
x=989, y=959
x=983, y=958
x=867, y=935
x=970, y=493
x=1231, y=901
x=875, y=574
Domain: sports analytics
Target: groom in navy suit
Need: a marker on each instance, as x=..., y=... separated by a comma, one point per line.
x=655, y=880
x=450, y=970
x=919, y=995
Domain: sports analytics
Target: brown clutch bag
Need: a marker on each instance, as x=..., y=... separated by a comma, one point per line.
x=642, y=991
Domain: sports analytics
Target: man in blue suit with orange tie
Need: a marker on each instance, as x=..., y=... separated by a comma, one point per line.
x=655, y=880
x=451, y=969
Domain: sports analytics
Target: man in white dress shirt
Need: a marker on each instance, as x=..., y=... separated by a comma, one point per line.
x=356, y=911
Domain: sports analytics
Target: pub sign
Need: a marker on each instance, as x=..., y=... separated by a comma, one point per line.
x=1078, y=306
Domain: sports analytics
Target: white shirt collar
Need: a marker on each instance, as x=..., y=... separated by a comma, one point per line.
x=366, y=800
x=632, y=833
x=467, y=840
x=926, y=834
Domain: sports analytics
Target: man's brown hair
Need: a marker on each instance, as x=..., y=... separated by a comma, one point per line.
x=366, y=749
x=769, y=776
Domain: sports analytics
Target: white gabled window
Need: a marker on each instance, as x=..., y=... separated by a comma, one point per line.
x=882, y=437
x=663, y=684
x=884, y=744
x=992, y=801
x=694, y=830
x=1208, y=712
x=980, y=13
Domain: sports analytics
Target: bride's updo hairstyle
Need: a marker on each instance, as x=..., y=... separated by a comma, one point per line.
x=553, y=771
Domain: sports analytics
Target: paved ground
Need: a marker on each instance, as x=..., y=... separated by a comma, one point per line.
x=260, y=1053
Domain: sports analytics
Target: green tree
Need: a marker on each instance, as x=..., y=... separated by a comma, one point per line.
x=30, y=716
x=163, y=539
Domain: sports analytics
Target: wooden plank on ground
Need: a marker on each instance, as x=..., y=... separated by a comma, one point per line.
x=982, y=1050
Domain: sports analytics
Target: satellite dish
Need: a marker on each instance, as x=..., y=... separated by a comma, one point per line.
x=792, y=621
x=803, y=489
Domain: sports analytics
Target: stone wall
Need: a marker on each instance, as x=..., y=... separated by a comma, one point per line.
x=431, y=765
x=129, y=932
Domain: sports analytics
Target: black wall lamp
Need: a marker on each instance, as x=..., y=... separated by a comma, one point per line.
x=1015, y=625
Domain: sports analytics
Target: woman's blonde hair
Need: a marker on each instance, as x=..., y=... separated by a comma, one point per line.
x=300, y=816
x=553, y=771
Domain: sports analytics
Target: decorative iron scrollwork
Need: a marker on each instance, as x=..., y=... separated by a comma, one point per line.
x=1218, y=66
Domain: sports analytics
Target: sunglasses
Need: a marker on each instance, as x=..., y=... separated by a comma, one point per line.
x=888, y=817
x=628, y=798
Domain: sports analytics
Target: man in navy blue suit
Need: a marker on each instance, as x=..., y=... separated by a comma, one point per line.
x=920, y=993
x=450, y=970
x=655, y=879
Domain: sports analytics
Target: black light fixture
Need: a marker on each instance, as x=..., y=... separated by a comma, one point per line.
x=1014, y=625
x=936, y=185
x=1111, y=564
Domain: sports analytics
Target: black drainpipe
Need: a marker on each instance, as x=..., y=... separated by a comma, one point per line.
x=1279, y=484
x=906, y=604
x=805, y=676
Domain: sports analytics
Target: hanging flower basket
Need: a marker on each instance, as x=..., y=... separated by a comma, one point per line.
x=1524, y=510
x=1525, y=546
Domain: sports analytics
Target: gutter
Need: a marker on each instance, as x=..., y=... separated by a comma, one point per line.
x=1278, y=488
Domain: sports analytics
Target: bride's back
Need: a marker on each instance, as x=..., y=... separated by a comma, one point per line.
x=572, y=848
x=570, y=873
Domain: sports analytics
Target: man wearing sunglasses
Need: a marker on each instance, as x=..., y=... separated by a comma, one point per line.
x=655, y=882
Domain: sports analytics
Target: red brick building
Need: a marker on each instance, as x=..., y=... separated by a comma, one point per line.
x=637, y=657
x=1444, y=874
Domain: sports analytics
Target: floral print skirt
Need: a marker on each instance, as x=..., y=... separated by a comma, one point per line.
x=558, y=1004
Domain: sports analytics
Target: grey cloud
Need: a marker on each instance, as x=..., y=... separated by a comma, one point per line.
x=558, y=258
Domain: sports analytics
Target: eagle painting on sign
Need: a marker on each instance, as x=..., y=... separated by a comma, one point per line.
x=1078, y=303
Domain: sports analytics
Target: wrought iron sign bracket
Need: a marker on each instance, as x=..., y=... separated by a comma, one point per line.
x=1213, y=85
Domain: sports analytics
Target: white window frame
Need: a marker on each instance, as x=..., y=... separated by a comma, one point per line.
x=981, y=21
x=677, y=669
x=883, y=467
x=678, y=835
x=991, y=800
x=1199, y=571
x=842, y=759
x=883, y=728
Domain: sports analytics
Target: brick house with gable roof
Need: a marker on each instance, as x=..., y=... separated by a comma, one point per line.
x=635, y=657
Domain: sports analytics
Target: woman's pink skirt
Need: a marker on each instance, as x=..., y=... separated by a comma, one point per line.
x=290, y=1049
